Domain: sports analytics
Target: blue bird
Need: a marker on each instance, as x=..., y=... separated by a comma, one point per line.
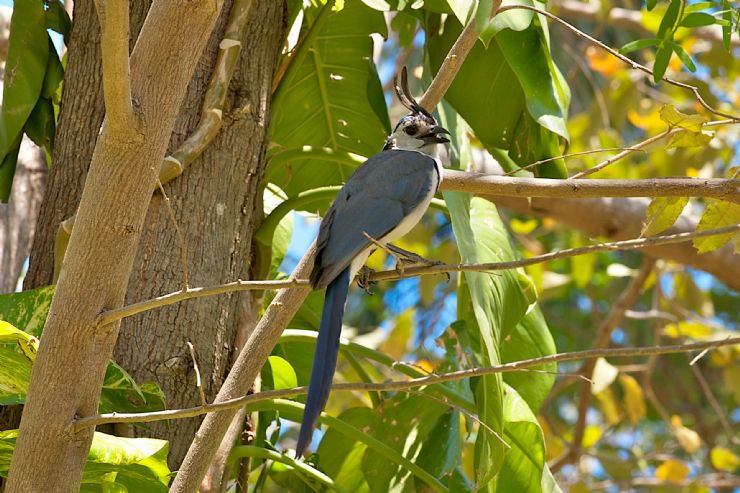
x=384, y=198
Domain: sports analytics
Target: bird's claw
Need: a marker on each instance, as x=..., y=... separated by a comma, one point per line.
x=363, y=279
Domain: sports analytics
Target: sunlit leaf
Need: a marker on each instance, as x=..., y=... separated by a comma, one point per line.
x=697, y=19
x=634, y=399
x=724, y=459
x=687, y=438
x=688, y=139
x=638, y=44
x=672, y=470
x=27, y=310
x=662, y=213
x=609, y=406
x=281, y=373
x=669, y=19
x=693, y=330
x=674, y=118
x=717, y=214
x=330, y=97
x=603, y=375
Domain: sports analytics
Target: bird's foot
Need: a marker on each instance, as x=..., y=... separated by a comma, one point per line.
x=363, y=279
x=410, y=258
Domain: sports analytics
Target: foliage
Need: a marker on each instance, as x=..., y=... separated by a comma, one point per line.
x=512, y=101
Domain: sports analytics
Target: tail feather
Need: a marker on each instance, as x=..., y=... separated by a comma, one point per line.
x=325, y=357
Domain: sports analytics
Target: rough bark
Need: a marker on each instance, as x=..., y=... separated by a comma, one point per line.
x=81, y=113
x=68, y=371
x=217, y=206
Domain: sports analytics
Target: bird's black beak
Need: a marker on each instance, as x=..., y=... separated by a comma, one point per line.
x=433, y=136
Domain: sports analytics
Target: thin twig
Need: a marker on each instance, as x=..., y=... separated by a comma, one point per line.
x=640, y=145
x=180, y=237
x=633, y=64
x=114, y=39
x=89, y=421
x=707, y=390
x=111, y=316
x=203, y=401
x=625, y=301
x=563, y=156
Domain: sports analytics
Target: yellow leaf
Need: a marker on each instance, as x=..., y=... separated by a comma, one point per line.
x=609, y=406
x=662, y=213
x=688, y=439
x=672, y=470
x=591, y=435
x=634, y=400
x=687, y=138
x=523, y=227
x=717, y=214
x=549, y=223
x=675, y=118
x=647, y=121
x=724, y=459
x=692, y=330
x=603, y=62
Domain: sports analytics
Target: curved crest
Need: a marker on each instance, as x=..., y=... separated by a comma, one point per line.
x=405, y=97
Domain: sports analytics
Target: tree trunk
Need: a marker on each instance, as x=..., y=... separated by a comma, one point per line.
x=69, y=367
x=217, y=205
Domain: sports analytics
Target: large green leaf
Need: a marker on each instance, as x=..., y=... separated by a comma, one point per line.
x=120, y=393
x=28, y=50
x=27, y=310
x=530, y=339
x=17, y=352
x=330, y=98
x=524, y=469
x=518, y=84
x=113, y=463
x=498, y=303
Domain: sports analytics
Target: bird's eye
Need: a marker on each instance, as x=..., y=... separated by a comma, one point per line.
x=410, y=130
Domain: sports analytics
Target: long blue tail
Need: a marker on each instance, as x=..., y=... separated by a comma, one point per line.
x=325, y=357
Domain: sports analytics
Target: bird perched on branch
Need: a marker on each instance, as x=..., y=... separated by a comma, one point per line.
x=383, y=199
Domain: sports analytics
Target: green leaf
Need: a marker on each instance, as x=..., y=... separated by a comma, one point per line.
x=727, y=28
x=25, y=67
x=499, y=302
x=662, y=57
x=57, y=19
x=665, y=31
x=683, y=56
x=441, y=452
x=529, y=128
x=464, y=10
x=280, y=374
x=524, y=469
x=717, y=215
x=15, y=373
x=113, y=463
x=696, y=7
x=662, y=213
x=41, y=126
x=120, y=393
x=516, y=20
x=137, y=464
x=27, y=309
x=530, y=338
x=697, y=19
x=638, y=45
x=330, y=97
x=402, y=423
x=341, y=458
x=674, y=118
x=650, y=4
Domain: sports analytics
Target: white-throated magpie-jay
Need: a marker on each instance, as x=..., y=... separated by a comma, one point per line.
x=384, y=198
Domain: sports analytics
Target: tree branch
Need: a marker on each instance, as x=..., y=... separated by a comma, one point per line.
x=114, y=40
x=392, y=275
x=509, y=186
x=397, y=385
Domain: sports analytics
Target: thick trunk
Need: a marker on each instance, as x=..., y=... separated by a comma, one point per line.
x=68, y=371
x=217, y=206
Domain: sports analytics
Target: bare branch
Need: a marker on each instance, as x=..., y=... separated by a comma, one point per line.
x=114, y=39
x=392, y=275
x=509, y=186
x=398, y=385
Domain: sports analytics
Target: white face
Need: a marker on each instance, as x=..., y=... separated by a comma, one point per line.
x=417, y=132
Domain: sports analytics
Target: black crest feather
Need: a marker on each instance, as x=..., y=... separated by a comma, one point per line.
x=405, y=97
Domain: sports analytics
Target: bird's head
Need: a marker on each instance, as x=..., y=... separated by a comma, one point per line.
x=417, y=131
